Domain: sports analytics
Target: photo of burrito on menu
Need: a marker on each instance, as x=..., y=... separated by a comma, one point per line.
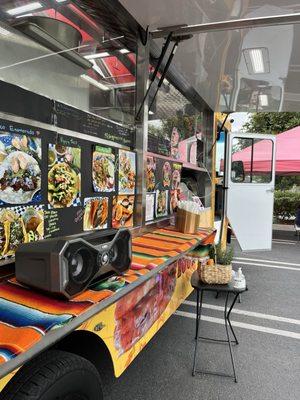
x=127, y=172
x=20, y=169
x=103, y=169
x=123, y=207
x=20, y=225
x=64, y=176
x=95, y=213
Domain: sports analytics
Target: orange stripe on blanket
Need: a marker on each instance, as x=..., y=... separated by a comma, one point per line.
x=157, y=242
x=170, y=239
x=153, y=252
x=38, y=301
x=18, y=340
x=93, y=296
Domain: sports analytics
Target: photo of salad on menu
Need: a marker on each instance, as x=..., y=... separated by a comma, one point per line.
x=95, y=213
x=162, y=203
x=127, y=172
x=20, y=169
x=64, y=177
x=20, y=225
x=123, y=207
x=151, y=169
x=103, y=169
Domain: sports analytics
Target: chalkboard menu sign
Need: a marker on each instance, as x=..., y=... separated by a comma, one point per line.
x=24, y=103
x=164, y=145
x=152, y=143
x=71, y=118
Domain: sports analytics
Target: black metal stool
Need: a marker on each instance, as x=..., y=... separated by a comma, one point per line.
x=201, y=287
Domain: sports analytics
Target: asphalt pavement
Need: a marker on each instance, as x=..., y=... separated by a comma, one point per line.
x=267, y=323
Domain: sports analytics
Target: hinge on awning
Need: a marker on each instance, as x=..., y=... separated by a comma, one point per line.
x=165, y=47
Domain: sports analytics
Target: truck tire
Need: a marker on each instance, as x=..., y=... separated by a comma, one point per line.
x=55, y=375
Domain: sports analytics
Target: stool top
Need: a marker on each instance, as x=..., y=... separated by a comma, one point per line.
x=197, y=284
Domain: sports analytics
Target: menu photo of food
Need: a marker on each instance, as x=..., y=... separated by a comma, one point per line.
x=20, y=225
x=175, y=138
x=166, y=174
x=150, y=174
x=162, y=203
x=95, y=213
x=176, y=175
x=123, y=208
x=150, y=207
x=20, y=169
x=174, y=198
x=64, y=176
x=103, y=169
x=127, y=172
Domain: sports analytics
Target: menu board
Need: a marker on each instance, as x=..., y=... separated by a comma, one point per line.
x=74, y=119
x=152, y=143
x=164, y=145
x=24, y=103
x=54, y=185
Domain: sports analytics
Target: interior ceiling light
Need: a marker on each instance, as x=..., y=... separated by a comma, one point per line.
x=151, y=112
x=97, y=68
x=94, y=82
x=25, y=9
x=257, y=60
x=263, y=100
x=97, y=55
x=124, y=51
x=4, y=32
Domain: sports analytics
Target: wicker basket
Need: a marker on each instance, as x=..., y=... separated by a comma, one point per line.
x=215, y=274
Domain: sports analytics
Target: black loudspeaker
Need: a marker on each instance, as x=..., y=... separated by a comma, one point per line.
x=66, y=266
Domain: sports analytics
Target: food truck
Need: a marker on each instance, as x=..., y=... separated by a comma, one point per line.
x=103, y=128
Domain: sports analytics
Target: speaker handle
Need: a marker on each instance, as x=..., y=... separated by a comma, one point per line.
x=109, y=245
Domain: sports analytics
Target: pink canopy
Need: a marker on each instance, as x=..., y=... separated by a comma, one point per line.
x=287, y=154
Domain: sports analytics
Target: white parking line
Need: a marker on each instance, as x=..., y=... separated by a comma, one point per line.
x=243, y=325
x=248, y=313
x=281, y=242
x=266, y=261
x=265, y=265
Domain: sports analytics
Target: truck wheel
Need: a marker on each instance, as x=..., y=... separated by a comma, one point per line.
x=55, y=375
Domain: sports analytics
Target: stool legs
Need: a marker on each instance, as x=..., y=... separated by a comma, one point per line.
x=227, y=324
x=198, y=319
x=226, y=315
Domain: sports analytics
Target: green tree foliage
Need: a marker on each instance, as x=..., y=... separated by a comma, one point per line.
x=286, y=204
x=272, y=122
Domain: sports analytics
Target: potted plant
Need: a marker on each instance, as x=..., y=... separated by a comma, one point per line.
x=218, y=269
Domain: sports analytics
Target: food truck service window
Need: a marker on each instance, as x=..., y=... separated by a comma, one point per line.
x=251, y=160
